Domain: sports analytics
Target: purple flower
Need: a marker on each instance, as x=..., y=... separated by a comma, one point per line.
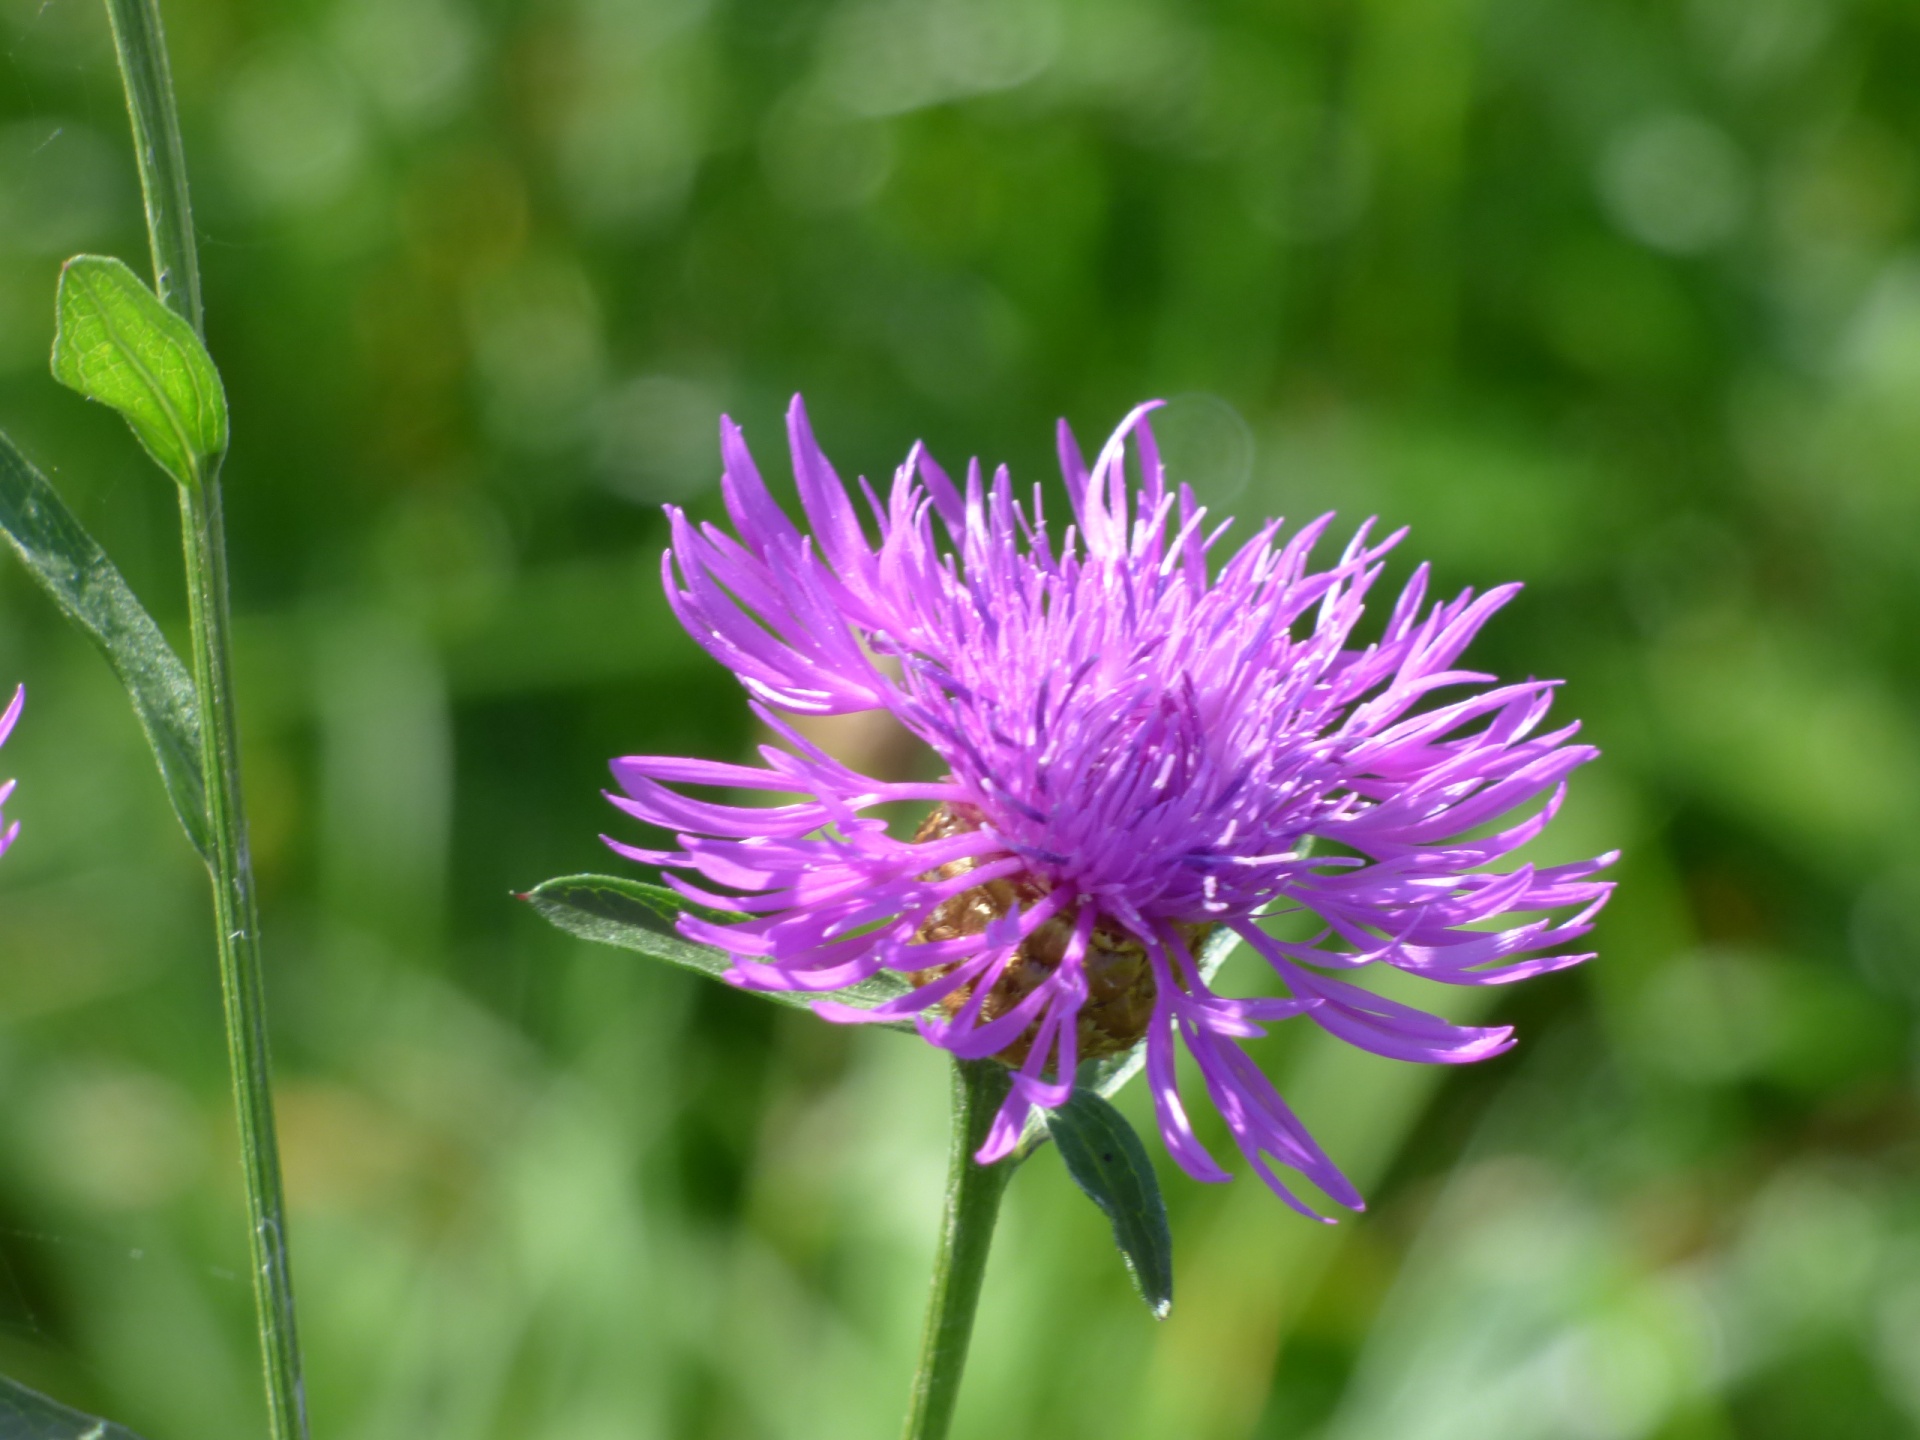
x=1144, y=737
x=7, y=721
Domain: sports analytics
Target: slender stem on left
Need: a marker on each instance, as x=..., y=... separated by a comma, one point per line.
x=242, y=985
x=141, y=45
x=966, y=1235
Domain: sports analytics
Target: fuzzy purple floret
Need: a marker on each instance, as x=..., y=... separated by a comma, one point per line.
x=1156, y=733
x=7, y=722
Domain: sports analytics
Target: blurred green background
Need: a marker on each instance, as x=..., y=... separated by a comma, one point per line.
x=1618, y=298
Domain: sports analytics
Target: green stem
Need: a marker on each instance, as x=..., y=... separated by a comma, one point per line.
x=141, y=45
x=966, y=1235
x=242, y=986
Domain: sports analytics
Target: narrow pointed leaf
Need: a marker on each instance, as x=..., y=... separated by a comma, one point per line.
x=83, y=582
x=1107, y=1161
x=116, y=343
x=28, y=1415
x=613, y=910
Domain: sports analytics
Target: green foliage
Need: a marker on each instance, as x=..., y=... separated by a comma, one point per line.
x=28, y=1415
x=1615, y=299
x=1098, y=1145
x=1108, y=1162
x=634, y=915
x=117, y=343
x=76, y=573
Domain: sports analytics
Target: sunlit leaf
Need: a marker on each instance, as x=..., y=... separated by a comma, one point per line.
x=634, y=915
x=83, y=582
x=1108, y=1162
x=118, y=344
x=28, y=1415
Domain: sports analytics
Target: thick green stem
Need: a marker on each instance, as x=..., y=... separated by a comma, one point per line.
x=141, y=46
x=966, y=1235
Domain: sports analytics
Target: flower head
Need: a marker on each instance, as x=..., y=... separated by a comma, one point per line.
x=1145, y=735
x=7, y=721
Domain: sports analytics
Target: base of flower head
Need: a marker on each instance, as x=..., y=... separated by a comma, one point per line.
x=1121, y=988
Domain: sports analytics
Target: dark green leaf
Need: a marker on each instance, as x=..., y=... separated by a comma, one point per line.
x=634, y=915
x=28, y=1415
x=83, y=582
x=1107, y=1160
x=117, y=343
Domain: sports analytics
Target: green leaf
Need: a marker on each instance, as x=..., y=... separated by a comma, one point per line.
x=1107, y=1160
x=28, y=1415
x=83, y=582
x=115, y=342
x=634, y=915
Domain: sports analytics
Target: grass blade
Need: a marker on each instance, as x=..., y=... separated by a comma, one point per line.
x=84, y=583
x=28, y=1415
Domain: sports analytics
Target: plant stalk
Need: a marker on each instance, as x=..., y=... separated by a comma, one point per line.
x=242, y=986
x=140, y=44
x=974, y=1192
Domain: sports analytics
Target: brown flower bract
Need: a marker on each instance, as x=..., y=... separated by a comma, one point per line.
x=1120, y=980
